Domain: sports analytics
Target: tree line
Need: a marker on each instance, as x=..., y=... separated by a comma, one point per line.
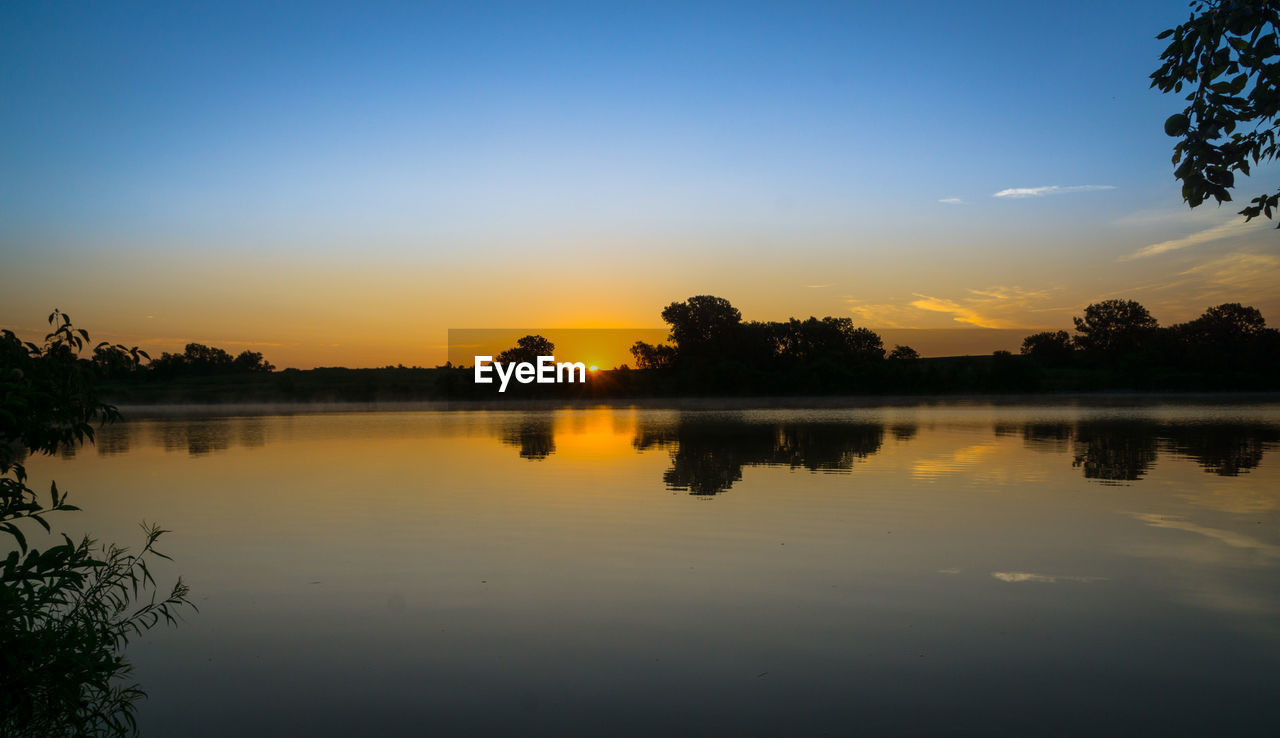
x=711, y=351
x=196, y=359
x=1116, y=344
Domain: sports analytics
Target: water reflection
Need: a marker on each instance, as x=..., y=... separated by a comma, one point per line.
x=1112, y=452
x=708, y=454
x=488, y=561
x=533, y=434
x=194, y=436
x=710, y=450
x=1225, y=451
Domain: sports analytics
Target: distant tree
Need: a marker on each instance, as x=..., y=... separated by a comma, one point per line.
x=199, y=356
x=861, y=344
x=115, y=361
x=648, y=356
x=702, y=325
x=1114, y=327
x=199, y=359
x=829, y=338
x=1230, y=336
x=251, y=361
x=527, y=349
x=1225, y=56
x=1049, y=348
x=1229, y=323
x=904, y=353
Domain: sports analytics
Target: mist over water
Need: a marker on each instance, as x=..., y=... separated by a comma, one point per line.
x=956, y=568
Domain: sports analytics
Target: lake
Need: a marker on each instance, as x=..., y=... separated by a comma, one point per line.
x=954, y=568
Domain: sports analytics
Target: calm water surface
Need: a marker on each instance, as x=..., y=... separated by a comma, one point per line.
x=956, y=569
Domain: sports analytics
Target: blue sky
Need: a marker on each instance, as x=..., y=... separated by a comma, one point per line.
x=630, y=153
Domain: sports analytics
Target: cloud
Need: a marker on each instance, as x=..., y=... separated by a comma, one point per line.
x=1222, y=230
x=1020, y=192
x=981, y=310
x=817, y=286
x=961, y=313
x=992, y=307
x=882, y=315
x=1240, y=272
x=1011, y=293
x=951, y=201
x=1028, y=576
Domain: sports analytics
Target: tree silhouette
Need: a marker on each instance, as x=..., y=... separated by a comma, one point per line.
x=648, y=356
x=1050, y=348
x=904, y=353
x=829, y=338
x=1224, y=54
x=251, y=361
x=67, y=610
x=1227, y=324
x=527, y=349
x=1114, y=327
x=702, y=326
x=199, y=359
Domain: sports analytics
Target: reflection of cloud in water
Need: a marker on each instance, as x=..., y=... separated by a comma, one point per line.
x=1028, y=576
x=953, y=463
x=1231, y=538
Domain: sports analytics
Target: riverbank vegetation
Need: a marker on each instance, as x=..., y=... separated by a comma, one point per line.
x=1115, y=345
x=67, y=608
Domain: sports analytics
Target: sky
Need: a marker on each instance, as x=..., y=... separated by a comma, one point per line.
x=341, y=184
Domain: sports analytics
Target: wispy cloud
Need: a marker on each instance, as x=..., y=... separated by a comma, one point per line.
x=991, y=307
x=882, y=315
x=960, y=313
x=1029, y=576
x=1240, y=271
x=1011, y=293
x=817, y=286
x=983, y=309
x=951, y=201
x=1020, y=192
x=1223, y=230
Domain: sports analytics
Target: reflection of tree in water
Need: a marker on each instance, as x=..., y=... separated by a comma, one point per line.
x=1050, y=437
x=252, y=432
x=196, y=437
x=904, y=431
x=707, y=455
x=1123, y=451
x=1223, y=449
x=534, y=435
x=1114, y=452
x=830, y=447
x=114, y=438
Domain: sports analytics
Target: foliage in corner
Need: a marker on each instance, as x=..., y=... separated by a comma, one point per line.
x=67, y=611
x=1226, y=56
